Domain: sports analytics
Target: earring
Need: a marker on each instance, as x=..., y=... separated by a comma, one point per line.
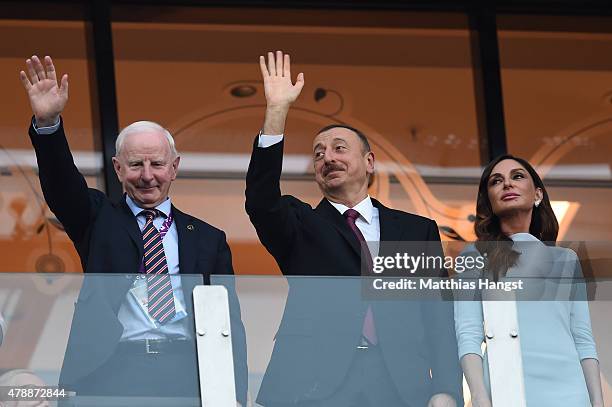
x=537, y=203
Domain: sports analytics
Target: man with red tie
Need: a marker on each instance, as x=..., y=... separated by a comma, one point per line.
x=129, y=336
x=332, y=348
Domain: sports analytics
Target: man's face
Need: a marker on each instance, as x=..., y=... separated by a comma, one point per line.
x=341, y=163
x=146, y=167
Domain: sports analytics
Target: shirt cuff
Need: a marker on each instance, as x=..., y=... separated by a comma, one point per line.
x=45, y=130
x=266, y=140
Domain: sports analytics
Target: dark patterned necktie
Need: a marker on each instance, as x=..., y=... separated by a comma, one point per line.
x=159, y=287
x=369, y=329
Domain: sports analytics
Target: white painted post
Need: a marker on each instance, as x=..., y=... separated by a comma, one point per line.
x=214, y=345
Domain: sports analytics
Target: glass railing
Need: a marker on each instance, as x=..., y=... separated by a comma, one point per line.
x=90, y=340
x=312, y=338
x=389, y=338
x=396, y=338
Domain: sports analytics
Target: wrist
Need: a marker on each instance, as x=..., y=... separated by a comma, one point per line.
x=46, y=121
x=282, y=108
x=274, y=122
x=482, y=401
x=480, y=396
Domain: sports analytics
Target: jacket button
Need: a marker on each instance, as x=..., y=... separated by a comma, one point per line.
x=490, y=335
x=513, y=333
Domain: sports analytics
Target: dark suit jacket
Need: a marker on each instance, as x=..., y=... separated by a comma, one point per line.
x=108, y=239
x=323, y=317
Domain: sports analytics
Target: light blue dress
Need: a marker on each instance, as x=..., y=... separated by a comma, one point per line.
x=555, y=332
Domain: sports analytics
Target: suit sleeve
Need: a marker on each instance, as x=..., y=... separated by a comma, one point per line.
x=63, y=186
x=440, y=327
x=272, y=215
x=239, y=347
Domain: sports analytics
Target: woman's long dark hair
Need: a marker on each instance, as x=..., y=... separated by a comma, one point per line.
x=491, y=240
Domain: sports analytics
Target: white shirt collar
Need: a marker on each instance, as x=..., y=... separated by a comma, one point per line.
x=523, y=237
x=365, y=208
x=164, y=207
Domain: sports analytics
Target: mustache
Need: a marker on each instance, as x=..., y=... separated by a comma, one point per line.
x=331, y=167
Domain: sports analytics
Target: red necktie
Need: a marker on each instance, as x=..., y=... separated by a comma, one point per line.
x=159, y=286
x=369, y=329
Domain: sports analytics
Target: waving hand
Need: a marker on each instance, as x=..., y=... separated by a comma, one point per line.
x=279, y=89
x=47, y=97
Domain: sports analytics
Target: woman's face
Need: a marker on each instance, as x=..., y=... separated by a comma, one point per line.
x=511, y=189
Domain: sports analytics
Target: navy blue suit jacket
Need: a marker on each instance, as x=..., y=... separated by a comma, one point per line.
x=323, y=316
x=107, y=238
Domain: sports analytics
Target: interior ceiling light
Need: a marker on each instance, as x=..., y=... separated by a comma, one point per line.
x=319, y=94
x=243, y=91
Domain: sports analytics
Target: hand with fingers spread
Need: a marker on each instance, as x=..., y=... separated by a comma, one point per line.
x=279, y=89
x=47, y=97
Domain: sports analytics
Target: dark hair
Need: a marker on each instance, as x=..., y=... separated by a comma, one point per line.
x=491, y=239
x=364, y=140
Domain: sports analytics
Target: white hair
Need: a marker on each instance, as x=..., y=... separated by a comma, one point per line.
x=144, y=126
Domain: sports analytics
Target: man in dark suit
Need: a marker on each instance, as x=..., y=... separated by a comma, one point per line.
x=129, y=336
x=332, y=347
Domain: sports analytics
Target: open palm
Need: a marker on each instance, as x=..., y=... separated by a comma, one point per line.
x=279, y=89
x=47, y=98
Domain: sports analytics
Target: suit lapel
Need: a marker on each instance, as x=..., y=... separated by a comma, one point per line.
x=131, y=226
x=187, y=242
x=337, y=220
x=390, y=227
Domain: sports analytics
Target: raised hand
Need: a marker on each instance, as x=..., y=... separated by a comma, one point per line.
x=46, y=97
x=279, y=89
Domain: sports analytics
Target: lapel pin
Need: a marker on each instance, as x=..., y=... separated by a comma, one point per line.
x=189, y=227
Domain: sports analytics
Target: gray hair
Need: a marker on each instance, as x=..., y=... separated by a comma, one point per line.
x=144, y=126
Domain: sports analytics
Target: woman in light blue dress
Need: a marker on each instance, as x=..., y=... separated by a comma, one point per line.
x=559, y=360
